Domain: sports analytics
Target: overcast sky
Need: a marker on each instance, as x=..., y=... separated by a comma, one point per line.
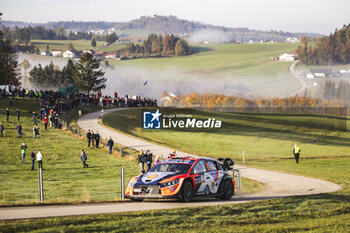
x=321, y=16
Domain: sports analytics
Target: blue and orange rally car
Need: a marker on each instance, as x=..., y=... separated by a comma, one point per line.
x=184, y=179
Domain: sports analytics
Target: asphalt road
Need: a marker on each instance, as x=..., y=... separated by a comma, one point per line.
x=276, y=184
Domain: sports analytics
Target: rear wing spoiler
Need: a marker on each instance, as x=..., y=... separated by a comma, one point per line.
x=227, y=163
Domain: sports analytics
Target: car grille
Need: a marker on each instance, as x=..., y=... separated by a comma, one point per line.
x=146, y=190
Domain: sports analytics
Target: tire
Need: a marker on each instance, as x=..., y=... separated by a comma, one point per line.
x=187, y=191
x=228, y=190
x=136, y=199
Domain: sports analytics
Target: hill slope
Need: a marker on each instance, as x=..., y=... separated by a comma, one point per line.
x=165, y=24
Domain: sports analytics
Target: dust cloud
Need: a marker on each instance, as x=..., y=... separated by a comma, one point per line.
x=210, y=36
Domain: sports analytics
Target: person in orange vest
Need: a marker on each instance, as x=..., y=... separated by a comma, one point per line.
x=296, y=153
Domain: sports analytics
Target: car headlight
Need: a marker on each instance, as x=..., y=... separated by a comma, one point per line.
x=132, y=182
x=170, y=183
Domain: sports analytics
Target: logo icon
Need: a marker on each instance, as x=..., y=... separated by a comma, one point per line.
x=151, y=120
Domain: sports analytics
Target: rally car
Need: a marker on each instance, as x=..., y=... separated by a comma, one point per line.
x=184, y=179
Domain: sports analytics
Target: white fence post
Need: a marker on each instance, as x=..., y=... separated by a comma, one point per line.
x=122, y=183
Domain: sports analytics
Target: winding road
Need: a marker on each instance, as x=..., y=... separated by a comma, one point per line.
x=276, y=184
x=298, y=76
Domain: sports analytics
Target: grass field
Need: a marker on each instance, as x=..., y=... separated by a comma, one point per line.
x=246, y=65
x=65, y=179
x=77, y=44
x=261, y=136
x=316, y=213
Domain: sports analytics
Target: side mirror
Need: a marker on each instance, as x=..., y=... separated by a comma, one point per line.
x=227, y=164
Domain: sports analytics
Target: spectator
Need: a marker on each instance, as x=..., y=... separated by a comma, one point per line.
x=34, y=118
x=141, y=161
x=18, y=113
x=89, y=137
x=23, y=151
x=156, y=161
x=83, y=158
x=50, y=119
x=149, y=159
x=19, y=130
x=173, y=154
x=93, y=138
x=97, y=139
x=35, y=131
x=7, y=115
x=32, y=155
x=46, y=120
x=110, y=145
x=2, y=129
x=39, y=158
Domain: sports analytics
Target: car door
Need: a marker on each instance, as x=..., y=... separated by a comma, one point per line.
x=214, y=176
x=198, y=172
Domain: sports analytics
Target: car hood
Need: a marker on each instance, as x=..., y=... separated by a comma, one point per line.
x=154, y=177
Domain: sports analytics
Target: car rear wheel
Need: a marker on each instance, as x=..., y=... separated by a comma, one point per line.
x=228, y=190
x=187, y=191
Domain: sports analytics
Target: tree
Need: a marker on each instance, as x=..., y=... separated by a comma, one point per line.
x=9, y=71
x=87, y=76
x=68, y=73
x=181, y=48
x=111, y=38
x=93, y=42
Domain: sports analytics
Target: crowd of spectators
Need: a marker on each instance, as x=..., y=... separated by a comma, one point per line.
x=61, y=103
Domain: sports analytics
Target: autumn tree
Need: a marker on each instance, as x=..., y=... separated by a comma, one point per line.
x=181, y=48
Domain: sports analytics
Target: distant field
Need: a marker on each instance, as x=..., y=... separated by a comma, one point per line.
x=77, y=44
x=243, y=64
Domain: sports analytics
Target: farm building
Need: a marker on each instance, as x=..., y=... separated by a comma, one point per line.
x=71, y=53
x=288, y=57
x=45, y=53
x=99, y=54
x=111, y=55
x=56, y=52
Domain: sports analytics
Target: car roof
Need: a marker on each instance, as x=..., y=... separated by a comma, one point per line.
x=188, y=160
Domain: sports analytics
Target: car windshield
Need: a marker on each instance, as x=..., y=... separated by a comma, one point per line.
x=180, y=168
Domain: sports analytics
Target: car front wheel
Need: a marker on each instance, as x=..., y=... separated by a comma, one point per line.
x=187, y=191
x=228, y=190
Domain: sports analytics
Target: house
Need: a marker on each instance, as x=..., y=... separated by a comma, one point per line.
x=71, y=53
x=292, y=40
x=288, y=57
x=320, y=73
x=99, y=54
x=56, y=52
x=111, y=55
x=45, y=53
